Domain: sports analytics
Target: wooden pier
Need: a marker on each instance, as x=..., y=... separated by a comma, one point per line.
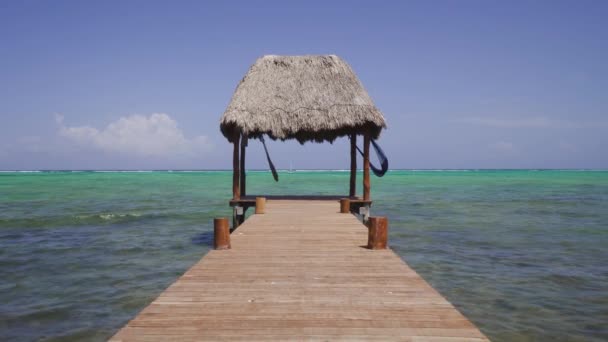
x=300, y=272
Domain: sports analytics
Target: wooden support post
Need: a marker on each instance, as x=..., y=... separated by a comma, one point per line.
x=236, y=192
x=366, y=181
x=364, y=211
x=243, y=184
x=260, y=205
x=221, y=233
x=353, y=166
x=378, y=232
x=345, y=205
x=238, y=216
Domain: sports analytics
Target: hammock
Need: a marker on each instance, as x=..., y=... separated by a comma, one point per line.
x=275, y=175
x=381, y=157
x=379, y=172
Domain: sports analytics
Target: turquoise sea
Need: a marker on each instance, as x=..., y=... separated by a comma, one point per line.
x=522, y=253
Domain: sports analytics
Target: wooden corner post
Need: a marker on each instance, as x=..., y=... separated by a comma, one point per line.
x=378, y=232
x=353, y=165
x=260, y=205
x=345, y=205
x=221, y=233
x=243, y=178
x=366, y=180
x=236, y=191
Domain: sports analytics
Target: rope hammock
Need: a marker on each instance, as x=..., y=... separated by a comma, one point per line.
x=379, y=172
x=275, y=175
x=381, y=158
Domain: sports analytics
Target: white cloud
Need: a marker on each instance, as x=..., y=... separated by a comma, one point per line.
x=157, y=135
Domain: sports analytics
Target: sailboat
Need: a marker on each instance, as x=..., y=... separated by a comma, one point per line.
x=290, y=167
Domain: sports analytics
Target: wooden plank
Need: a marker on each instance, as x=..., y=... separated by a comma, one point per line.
x=249, y=200
x=300, y=271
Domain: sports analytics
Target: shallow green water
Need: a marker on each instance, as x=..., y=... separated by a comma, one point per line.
x=523, y=254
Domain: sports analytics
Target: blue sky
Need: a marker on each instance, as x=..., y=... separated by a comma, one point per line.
x=463, y=84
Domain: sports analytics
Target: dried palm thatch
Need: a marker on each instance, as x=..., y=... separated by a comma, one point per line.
x=308, y=98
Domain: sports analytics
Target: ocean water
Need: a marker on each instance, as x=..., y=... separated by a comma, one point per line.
x=522, y=253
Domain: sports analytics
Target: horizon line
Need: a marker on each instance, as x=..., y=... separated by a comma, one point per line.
x=296, y=170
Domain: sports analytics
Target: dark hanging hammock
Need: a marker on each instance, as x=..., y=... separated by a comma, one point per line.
x=275, y=175
x=381, y=158
x=379, y=172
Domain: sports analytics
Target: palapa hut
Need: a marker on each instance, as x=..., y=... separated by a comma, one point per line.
x=307, y=98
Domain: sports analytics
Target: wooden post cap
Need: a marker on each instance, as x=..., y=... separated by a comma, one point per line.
x=345, y=205
x=378, y=232
x=221, y=233
x=260, y=205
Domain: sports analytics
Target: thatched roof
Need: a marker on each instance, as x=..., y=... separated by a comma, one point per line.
x=301, y=97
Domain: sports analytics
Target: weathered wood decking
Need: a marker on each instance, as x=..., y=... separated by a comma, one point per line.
x=299, y=272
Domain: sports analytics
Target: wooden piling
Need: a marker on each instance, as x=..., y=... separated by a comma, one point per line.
x=243, y=181
x=260, y=205
x=236, y=192
x=221, y=233
x=353, y=166
x=378, y=232
x=345, y=205
x=366, y=180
